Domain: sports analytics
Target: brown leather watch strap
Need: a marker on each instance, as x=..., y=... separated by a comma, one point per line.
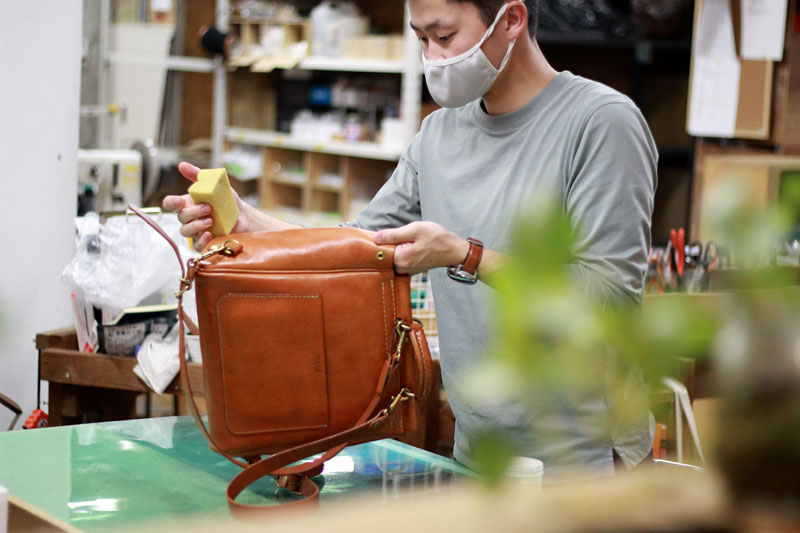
x=474, y=255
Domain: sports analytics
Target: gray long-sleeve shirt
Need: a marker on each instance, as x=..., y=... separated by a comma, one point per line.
x=471, y=173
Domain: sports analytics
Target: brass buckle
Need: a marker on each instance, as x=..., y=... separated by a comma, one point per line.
x=404, y=395
x=402, y=330
x=289, y=482
x=225, y=249
x=185, y=286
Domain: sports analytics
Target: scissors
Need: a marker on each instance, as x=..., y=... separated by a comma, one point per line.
x=678, y=240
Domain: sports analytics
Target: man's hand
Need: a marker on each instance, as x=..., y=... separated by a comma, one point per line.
x=196, y=218
x=422, y=246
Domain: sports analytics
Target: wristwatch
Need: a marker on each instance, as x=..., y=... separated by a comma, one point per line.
x=467, y=272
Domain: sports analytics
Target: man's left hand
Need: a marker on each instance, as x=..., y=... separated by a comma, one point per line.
x=421, y=246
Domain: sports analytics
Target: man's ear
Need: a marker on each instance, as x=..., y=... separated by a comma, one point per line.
x=516, y=20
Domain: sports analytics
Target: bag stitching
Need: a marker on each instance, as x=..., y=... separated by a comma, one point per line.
x=424, y=373
x=222, y=362
x=394, y=311
x=385, y=327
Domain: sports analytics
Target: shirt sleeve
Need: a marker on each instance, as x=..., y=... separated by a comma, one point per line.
x=609, y=202
x=397, y=202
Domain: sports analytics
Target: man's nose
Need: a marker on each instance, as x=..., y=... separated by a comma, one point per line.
x=435, y=53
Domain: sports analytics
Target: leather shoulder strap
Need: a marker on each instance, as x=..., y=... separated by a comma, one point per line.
x=184, y=371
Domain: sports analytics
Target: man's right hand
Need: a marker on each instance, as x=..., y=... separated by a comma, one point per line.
x=196, y=218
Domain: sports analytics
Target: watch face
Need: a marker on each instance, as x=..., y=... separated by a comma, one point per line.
x=463, y=276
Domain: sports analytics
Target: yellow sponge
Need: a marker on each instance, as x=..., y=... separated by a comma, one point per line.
x=213, y=188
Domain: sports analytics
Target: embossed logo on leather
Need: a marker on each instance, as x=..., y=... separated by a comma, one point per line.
x=318, y=363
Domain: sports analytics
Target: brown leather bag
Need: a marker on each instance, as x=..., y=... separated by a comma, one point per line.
x=308, y=346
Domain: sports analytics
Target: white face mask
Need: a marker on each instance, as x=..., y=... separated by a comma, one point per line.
x=458, y=80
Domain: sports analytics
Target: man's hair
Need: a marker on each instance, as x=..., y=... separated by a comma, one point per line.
x=488, y=10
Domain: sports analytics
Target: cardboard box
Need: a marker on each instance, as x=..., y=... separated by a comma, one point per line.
x=367, y=47
x=127, y=11
x=375, y=47
x=397, y=45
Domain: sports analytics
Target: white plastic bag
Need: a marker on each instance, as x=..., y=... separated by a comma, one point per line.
x=123, y=261
x=158, y=361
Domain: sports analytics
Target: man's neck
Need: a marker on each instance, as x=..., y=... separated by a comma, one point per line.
x=526, y=75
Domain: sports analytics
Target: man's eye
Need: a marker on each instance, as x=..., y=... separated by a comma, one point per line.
x=445, y=38
x=423, y=40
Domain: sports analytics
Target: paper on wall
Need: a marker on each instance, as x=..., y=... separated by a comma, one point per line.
x=763, y=29
x=714, y=101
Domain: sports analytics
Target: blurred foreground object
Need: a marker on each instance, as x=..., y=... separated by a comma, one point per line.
x=655, y=499
x=555, y=341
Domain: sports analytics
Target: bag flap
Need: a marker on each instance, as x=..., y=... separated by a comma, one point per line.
x=304, y=249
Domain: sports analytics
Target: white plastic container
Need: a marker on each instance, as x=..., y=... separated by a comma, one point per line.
x=393, y=133
x=193, y=348
x=332, y=22
x=525, y=472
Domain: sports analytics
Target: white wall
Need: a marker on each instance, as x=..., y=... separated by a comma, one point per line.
x=40, y=60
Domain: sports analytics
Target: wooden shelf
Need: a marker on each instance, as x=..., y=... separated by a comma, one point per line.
x=327, y=188
x=289, y=181
x=275, y=139
x=345, y=64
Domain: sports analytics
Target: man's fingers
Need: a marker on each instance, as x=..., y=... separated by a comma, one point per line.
x=196, y=227
x=175, y=203
x=396, y=236
x=188, y=214
x=189, y=171
x=203, y=241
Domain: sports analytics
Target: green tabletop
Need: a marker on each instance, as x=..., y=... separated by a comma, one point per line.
x=101, y=476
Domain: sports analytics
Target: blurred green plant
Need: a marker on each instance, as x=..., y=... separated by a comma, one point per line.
x=553, y=339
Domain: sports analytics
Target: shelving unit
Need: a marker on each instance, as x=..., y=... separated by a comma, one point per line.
x=339, y=175
x=186, y=64
x=302, y=182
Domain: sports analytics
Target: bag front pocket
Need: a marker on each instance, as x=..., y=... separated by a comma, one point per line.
x=274, y=370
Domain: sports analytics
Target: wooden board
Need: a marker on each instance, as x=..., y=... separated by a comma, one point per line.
x=703, y=149
x=755, y=100
x=198, y=87
x=65, y=338
x=786, y=99
x=23, y=517
x=71, y=367
x=758, y=175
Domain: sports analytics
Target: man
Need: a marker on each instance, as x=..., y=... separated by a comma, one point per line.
x=512, y=128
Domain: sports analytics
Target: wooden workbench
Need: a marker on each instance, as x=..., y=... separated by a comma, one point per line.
x=89, y=387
